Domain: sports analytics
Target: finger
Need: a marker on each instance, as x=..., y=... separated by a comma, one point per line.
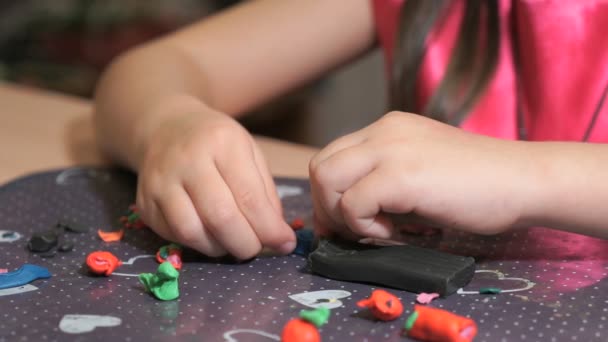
x=152, y=214
x=219, y=213
x=184, y=225
x=139, y=199
x=363, y=205
x=324, y=230
x=324, y=225
x=249, y=192
x=339, y=144
x=156, y=221
x=412, y=222
x=148, y=211
x=323, y=221
x=338, y=173
x=271, y=190
x=221, y=216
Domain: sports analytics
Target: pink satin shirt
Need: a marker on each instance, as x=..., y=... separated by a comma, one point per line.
x=563, y=47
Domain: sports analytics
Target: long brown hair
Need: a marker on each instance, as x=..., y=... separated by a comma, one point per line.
x=471, y=65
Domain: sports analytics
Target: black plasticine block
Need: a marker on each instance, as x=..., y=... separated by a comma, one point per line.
x=405, y=267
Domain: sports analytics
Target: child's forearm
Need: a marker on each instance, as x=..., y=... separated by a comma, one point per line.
x=572, y=189
x=231, y=62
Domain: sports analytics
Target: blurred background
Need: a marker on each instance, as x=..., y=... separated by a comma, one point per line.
x=64, y=45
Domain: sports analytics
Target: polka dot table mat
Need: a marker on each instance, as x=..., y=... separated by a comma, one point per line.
x=553, y=284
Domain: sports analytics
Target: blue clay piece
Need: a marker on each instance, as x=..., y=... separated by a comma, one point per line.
x=304, y=239
x=24, y=275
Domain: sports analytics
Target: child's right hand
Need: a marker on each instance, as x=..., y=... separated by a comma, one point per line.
x=203, y=182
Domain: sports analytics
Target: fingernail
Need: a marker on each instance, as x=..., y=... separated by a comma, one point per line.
x=287, y=247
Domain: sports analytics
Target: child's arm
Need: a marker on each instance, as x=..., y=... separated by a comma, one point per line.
x=440, y=175
x=166, y=110
x=572, y=187
x=231, y=63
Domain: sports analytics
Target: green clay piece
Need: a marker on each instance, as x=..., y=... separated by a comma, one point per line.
x=163, y=285
x=318, y=316
x=133, y=217
x=163, y=252
x=411, y=320
x=489, y=290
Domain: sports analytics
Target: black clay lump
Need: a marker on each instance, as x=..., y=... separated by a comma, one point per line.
x=406, y=267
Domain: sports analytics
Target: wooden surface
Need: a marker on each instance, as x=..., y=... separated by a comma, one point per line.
x=41, y=130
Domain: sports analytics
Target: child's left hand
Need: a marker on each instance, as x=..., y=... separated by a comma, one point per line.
x=426, y=171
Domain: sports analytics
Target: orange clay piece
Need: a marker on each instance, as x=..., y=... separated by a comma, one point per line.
x=383, y=305
x=103, y=263
x=111, y=236
x=297, y=224
x=436, y=325
x=299, y=330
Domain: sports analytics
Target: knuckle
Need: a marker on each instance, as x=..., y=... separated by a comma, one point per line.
x=179, y=222
x=392, y=119
x=151, y=180
x=221, y=215
x=313, y=164
x=321, y=174
x=223, y=134
x=248, y=201
x=393, y=115
x=181, y=157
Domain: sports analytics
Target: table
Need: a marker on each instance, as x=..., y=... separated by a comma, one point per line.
x=41, y=130
x=554, y=284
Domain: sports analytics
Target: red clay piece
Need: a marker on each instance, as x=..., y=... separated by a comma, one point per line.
x=299, y=330
x=102, y=263
x=436, y=325
x=171, y=253
x=139, y=224
x=132, y=219
x=383, y=305
x=297, y=224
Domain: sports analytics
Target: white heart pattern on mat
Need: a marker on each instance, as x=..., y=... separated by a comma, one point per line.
x=130, y=262
x=228, y=335
x=9, y=236
x=326, y=298
x=501, y=277
x=78, y=324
